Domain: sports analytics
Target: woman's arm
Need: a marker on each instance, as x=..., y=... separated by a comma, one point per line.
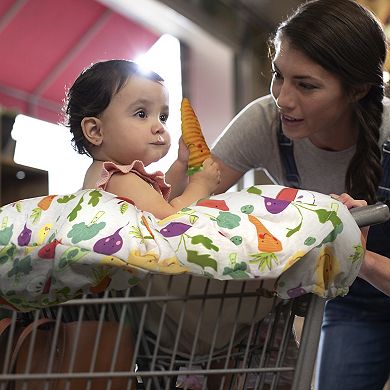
x=376, y=270
x=248, y=141
x=229, y=176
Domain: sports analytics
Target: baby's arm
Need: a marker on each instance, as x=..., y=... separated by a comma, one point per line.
x=145, y=197
x=201, y=185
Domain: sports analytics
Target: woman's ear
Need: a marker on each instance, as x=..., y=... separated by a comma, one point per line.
x=360, y=92
x=92, y=130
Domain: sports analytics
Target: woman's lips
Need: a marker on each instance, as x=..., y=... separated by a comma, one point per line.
x=290, y=121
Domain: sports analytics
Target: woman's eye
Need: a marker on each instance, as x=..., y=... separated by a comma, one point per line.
x=141, y=114
x=163, y=118
x=308, y=86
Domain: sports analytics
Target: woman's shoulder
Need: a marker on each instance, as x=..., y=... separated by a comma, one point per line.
x=261, y=106
x=259, y=114
x=386, y=105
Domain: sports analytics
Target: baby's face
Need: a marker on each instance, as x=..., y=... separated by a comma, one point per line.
x=134, y=123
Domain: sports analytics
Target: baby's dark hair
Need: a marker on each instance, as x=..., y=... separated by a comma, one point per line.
x=92, y=91
x=348, y=41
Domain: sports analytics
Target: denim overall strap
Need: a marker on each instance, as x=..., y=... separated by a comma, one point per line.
x=384, y=187
x=286, y=149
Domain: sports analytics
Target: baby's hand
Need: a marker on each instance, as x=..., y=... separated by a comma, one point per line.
x=209, y=176
x=183, y=153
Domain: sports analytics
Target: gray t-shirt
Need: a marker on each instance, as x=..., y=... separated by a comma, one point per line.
x=250, y=141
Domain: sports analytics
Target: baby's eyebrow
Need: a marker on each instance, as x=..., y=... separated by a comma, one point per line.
x=147, y=103
x=140, y=102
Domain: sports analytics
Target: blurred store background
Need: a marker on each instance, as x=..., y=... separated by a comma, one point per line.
x=212, y=51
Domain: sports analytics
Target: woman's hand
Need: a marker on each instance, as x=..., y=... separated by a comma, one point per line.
x=350, y=202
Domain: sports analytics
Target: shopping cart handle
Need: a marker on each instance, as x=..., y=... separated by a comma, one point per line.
x=371, y=215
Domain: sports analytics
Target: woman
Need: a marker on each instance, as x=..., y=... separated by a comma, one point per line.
x=322, y=129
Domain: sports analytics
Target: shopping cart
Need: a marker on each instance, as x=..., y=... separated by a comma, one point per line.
x=196, y=334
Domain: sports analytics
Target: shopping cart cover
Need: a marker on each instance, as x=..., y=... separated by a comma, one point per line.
x=55, y=248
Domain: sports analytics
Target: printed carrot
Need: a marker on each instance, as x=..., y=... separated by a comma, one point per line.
x=193, y=138
x=45, y=203
x=266, y=241
x=42, y=205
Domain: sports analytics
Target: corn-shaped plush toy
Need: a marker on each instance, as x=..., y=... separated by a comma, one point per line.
x=193, y=138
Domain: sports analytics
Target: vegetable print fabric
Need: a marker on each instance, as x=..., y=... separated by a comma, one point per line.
x=55, y=248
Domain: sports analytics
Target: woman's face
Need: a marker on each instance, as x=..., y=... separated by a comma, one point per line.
x=311, y=100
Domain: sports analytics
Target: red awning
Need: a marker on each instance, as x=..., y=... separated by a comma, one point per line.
x=44, y=44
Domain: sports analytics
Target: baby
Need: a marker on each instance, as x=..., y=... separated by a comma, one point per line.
x=117, y=113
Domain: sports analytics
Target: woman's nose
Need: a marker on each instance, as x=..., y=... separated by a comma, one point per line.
x=284, y=97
